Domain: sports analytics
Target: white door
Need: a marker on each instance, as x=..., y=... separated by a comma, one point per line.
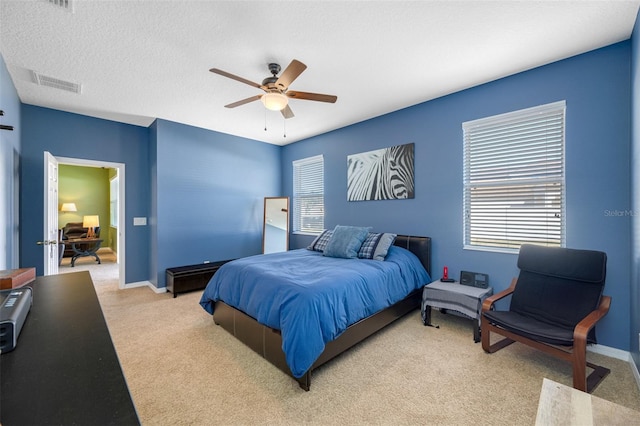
x=50, y=241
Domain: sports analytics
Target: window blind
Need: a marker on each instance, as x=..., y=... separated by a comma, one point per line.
x=308, y=195
x=514, y=187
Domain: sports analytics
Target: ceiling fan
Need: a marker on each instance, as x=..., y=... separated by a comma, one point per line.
x=277, y=93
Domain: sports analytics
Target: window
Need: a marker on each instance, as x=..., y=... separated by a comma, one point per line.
x=308, y=195
x=113, y=201
x=514, y=189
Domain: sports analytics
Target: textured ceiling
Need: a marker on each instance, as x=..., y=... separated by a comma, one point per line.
x=141, y=60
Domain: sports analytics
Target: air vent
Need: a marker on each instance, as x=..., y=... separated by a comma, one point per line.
x=56, y=83
x=63, y=4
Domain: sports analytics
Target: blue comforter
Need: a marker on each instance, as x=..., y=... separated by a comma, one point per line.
x=311, y=298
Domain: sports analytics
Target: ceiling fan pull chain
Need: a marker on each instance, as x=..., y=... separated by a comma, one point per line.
x=284, y=128
x=265, y=120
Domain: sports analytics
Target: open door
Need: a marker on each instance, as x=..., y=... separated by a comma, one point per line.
x=50, y=239
x=121, y=237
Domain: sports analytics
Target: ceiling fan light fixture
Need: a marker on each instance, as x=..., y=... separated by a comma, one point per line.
x=275, y=101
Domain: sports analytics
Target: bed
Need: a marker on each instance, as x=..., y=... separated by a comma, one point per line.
x=267, y=311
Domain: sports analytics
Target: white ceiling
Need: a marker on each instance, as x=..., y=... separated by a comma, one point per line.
x=140, y=60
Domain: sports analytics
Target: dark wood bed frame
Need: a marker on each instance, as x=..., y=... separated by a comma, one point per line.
x=267, y=341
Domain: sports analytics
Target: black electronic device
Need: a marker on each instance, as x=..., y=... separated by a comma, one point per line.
x=474, y=279
x=14, y=308
x=447, y=280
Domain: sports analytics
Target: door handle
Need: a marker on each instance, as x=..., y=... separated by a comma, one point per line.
x=46, y=243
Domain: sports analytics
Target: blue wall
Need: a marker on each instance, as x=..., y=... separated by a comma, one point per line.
x=596, y=87
x=9, y=171
x=210, y=194
x=76, y=136
x=202, y=191
x=635, y=194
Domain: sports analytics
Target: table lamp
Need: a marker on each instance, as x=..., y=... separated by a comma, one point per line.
x=91, y=222
x=68, y=207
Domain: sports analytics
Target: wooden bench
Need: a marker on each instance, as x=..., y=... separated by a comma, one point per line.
x=191, y=277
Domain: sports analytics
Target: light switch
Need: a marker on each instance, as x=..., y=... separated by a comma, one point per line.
x=139, y=221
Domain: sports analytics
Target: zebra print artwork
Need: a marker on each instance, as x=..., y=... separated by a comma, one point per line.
x=383, y=174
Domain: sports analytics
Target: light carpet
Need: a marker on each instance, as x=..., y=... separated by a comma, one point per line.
x=182, y=369
x=105, y=272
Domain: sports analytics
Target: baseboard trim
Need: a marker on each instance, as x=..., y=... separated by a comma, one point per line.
x=146, y=284
x=156, y=289
x=618, y=354
x=634, y=368
x=609, y=351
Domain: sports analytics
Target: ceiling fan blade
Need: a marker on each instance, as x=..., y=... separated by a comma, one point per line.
x=312, y=96
x=286, y=112
x=244, y=101
x=292, y=72
x=235, y=77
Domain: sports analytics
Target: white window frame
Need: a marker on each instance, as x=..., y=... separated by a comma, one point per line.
x=308, y=189
x=514, y=179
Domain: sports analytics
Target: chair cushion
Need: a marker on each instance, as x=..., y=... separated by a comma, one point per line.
x=571, y=264
x=531, y=328
x=75, y=230
x=558, y=286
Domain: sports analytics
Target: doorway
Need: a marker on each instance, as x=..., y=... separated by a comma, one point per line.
x=115, y=229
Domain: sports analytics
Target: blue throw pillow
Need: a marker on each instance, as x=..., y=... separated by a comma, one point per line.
x=376, y=246
x=346, y=241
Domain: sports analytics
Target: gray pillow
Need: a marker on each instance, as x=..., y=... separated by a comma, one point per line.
x=376, y=246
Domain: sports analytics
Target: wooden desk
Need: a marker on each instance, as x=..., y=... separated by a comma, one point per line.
x=64, y=369
x=565, y=406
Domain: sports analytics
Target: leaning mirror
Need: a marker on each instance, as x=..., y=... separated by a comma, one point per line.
x=275, y=231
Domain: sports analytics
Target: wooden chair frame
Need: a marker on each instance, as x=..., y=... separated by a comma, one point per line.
x=576, y=355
